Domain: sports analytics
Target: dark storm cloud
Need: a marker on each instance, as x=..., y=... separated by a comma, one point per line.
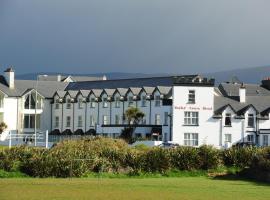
x=149, y=36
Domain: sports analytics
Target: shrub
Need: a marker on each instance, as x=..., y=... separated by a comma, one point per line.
x=239, y=156
x=185, y=158
x=156, y=160
x=209, y=157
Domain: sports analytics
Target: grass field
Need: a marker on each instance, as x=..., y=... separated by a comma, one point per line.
x=148, y=188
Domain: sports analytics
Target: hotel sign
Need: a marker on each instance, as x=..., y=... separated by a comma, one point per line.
x=195, y=108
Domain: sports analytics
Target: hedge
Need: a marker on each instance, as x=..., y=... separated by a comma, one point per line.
x=81, y=157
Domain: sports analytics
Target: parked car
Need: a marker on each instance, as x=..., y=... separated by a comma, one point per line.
x=168, y=145
x=245, y=144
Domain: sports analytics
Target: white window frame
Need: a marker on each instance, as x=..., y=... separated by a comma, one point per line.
x=117, y=119
x=80, y=103
x=68, y=103
x=265, y=141
x=191, y=118
x=80, y=121
x=105, y=102
x=92, y=103
x=143, y=101
x=130, y=101
x=68, y=121
x=251, y=118
x=157, y=101
x=92, y=120
x=56, y=122
x=117, y=102
x=228, y=138
x=157, y=119
x=229, y=117
x=105, y=119
x=191, y=139
x=191, y=97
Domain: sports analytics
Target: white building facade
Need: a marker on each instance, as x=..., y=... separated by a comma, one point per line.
x=188, y=110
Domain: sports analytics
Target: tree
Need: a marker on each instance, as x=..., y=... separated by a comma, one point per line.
x=133, y=116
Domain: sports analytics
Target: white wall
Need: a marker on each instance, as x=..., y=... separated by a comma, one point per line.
x=208, y=127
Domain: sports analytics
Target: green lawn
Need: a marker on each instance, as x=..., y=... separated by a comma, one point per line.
x=148, y=188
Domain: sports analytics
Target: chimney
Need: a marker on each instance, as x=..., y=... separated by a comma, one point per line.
x=10, y=76
x=59, y=78
x=242, y=93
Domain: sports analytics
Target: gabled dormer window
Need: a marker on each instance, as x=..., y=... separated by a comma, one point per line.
x=157, y=101
x=68, y=105
x=228, y=119
x=80, y=103
x=191, y=96
x=92, y=103
x=250, y=120
x=105, y=102
x=143, y=100
x=130, y=101
x=117, y=102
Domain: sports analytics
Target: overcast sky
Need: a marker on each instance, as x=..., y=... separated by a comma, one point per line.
x=147, y=36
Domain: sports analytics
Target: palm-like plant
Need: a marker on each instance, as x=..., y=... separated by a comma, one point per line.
x=3, y=126
x=133, y=116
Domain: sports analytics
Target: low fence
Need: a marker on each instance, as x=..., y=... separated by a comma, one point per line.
x=40, y=139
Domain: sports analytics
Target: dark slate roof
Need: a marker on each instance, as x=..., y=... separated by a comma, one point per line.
x=45, y=88
x=122, y=83
x=260, y=103
x=232, y=89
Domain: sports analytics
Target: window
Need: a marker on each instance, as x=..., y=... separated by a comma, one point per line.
x=92, y=103
x=117, y=119
x=157, y=119
x=30, y=101
x=191, y=96
x=105, y=102
x=68, y=122
x=92, y=120
x=265, y=140
x=191, y=118
x=117, y=102
x=29, y=121
x=68, y=106
x=191, y=139
x=80, y=104
x=80, y=121
x=130, y=101
x=166, y=116
x=157, y=101
x=228, y=138
x=228, y=119
x=143, y=100
x=56, y=106
x=250, y=138
x=56, y=122
x=105, y=120
x=250, y=120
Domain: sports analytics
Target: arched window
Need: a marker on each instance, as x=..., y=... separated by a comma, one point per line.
x=30, y=101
